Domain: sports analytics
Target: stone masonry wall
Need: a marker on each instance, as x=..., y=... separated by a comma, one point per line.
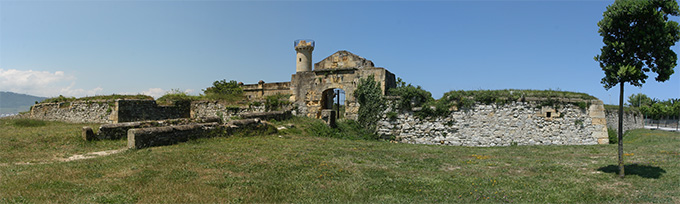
x=140, y=110
x=108, y=111
x=204, y=109
x=519, y=123
x=631, y=120
x=75, y=112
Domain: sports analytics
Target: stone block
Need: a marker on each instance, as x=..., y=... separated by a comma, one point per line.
x=88, y=134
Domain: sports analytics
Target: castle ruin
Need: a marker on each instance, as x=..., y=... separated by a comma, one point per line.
x=311, y=90
x=526, y=121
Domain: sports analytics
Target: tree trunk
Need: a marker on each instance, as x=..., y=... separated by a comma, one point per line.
x=621, y=174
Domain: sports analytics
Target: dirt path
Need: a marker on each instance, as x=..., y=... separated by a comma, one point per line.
x=76, y=157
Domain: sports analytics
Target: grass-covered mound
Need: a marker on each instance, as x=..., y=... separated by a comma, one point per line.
x=296, y=167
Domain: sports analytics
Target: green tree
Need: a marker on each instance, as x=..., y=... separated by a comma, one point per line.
x=223, y=87
x=637, y=38
x=224, y=91
x=371, y=102
x=637, y=100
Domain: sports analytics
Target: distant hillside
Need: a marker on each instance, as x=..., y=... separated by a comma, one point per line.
x=11, y=103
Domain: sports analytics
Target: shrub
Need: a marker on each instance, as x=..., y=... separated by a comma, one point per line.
x=276, y=102
x=613, y=136
x=371, y=102
x=392, y=115
x=175, y=95
x=410, y=96
x=58, y=99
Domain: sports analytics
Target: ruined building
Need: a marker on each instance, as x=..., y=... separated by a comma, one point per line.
x=311, y=90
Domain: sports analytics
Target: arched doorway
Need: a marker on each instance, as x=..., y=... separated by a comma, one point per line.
x=334, y=99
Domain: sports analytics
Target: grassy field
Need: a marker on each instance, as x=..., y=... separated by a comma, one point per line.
x=293, y=167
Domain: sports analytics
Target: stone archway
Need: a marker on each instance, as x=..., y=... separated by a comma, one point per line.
x=333, y=99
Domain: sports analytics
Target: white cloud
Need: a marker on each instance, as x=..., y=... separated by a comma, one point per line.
x=154, y=92
x=42, y=83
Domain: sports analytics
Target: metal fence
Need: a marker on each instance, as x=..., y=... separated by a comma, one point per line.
x=663, y=123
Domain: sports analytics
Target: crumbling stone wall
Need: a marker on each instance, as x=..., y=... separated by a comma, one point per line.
x=518, y=123
x=75, y=112
x=116, y=131
x=157, y=136
x=121, y=110
x=206, y=109
x=257, y=92
x=141, y=110
x=631, y=119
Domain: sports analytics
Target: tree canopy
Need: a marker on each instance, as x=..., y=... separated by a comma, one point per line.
x=638, y=38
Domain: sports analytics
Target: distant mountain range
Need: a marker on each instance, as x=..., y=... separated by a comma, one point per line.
x=13, y=103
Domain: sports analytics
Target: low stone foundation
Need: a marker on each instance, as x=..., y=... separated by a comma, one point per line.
x=158, y=136
x=119, y=130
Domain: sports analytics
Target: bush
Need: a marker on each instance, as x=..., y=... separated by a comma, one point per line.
x=613, y=136
x=175, y=95
x=371, y=102
x=276, y=102
x=411, y=96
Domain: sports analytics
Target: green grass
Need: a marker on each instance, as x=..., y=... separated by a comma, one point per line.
x=295, y=168
x=35, y=141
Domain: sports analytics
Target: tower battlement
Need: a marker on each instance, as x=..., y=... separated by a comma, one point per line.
x=304, y=50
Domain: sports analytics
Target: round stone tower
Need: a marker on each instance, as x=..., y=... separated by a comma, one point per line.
x=304, y=50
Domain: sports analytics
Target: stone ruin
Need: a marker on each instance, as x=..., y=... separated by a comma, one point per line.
x=144, y=123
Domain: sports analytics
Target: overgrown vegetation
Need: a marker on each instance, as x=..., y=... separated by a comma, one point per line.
x=613, y=135
x=175, y=95
x=223, y=91
x=501, y=97
x=293, y=167
x=421, y=102
x=417, y=99
x=112, y=97
x=276, y=102
x=371, y=102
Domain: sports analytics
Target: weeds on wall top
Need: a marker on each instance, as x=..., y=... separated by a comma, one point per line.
x=112, y=97
x=223, y=91
x=420, y=101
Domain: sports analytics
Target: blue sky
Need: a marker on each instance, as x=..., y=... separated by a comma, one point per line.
x=84, y=48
